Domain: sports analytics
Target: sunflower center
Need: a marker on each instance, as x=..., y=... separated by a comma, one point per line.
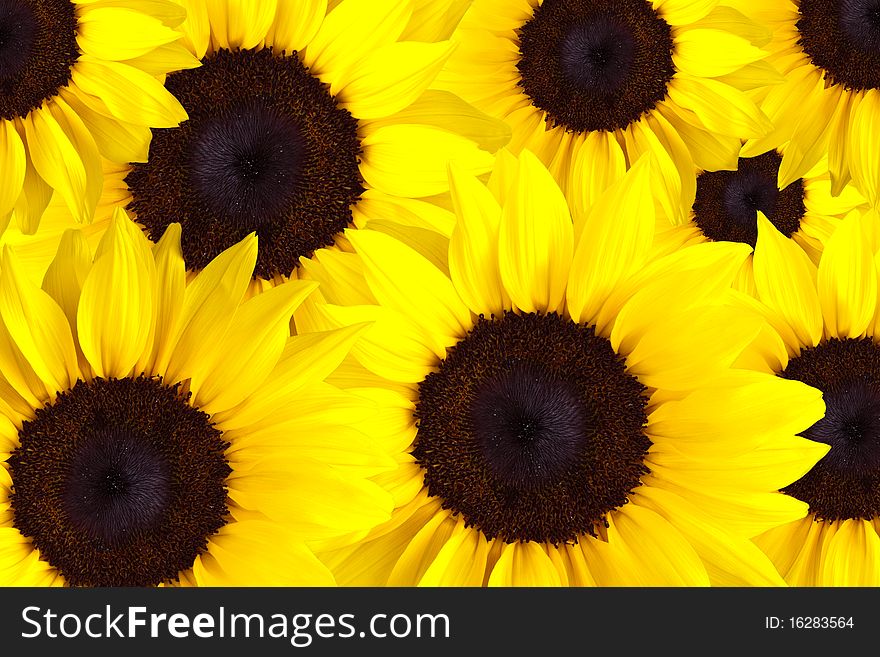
x=846, y=482
x=842, y=37
x=727, y=203
x=595, y=64
x=119, y=482
x=266, y=149
x=37, y=49
x=531, y=429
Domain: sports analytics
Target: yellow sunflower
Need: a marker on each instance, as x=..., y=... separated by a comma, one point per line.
x=829, y=53
x=592, y=84
x=156, y=431
x=304, y=119
x=564, y=410
x=78, y=82
x=826, y=320
x=726, y=206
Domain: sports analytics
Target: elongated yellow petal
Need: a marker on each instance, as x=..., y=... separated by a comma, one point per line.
x=535, y=239
x=719, y=107
x=473, y=248
x=460, y=562
x=426, y=544
x=614, y=243
x=434, y=20
x=85, y=146
x=296, y=24
x=33, y=200
x=118, y=141
x=682, y=12
x=524, y=564
x=116, y=314
x=864, y=144
x=196, y=28
x=710, y=53
x=390, y=78
x=56, y=160
x=404, y=280
x=114, y=33
x=691, y=348
x=209, y=306
x=240, y=23
x=809, y=142
x=657, y=552
x=170, y=288
x=853, y=556
x=597, y=163
x=12, y=163
x=847, y=281
x=729, y=560
x=305, y=360
x=353, y=29
x=170, y=57
x=37, y=325
x=251, y=347
x=786, y=281
x=130, y=94
x=411, y=160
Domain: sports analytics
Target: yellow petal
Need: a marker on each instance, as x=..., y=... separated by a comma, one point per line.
x=130, y=94
x=434, y=20
x=710, y=53
x=117, y=141
x=614, y=243
x=170, y=57
x=853, y=556
x=116, y=314
x=56, y=160
x=658, y=554
x=446, y=111
x=535, y=240
x=251, y=347
x=460, y=562
x=719, y=107
x=170, y=287
x=240, y=23
x=403, y=280
x=864, y=144
x=296, y=24
x=682, y=12
x=410, y=160
x=353, y=29
x=209, y=305
x=33, y=200
x=115, y=33
x=12, y=163
x=810, y=141
x=388, y=79
x=524, y=564
x=597, y=163
x=847, y=281
x=196, y=28
x=473, y=248
x=786, y=281
x=426, y=544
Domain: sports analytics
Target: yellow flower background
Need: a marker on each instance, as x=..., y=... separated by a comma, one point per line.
x=439, y=293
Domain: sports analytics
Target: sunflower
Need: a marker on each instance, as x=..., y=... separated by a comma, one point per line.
x=593, y=84
x=829, y=53
x=563, y=414
x=156, y=431
x=78, y=82
x=827, y=336
x=726, y=206
x=304, y=120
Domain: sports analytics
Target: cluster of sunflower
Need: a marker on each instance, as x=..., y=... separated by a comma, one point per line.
x=439, y=292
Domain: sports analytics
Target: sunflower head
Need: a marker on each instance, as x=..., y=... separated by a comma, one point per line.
x=157, y=430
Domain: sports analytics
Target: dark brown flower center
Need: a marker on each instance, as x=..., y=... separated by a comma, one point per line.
x=37, y=48
x=531, y=429
x=846, y=482
x=842, y=37
x=595, y=64
x=119, y=482
x=727, y=202
x=266, y=149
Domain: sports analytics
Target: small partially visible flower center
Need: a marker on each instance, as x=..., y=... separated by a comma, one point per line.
x=727, y=203
x=37, y=50
x=266, y=149
x=119, y=482
x=531, y=429
x=842, y=37
x=845, y=484
x=595, y=64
